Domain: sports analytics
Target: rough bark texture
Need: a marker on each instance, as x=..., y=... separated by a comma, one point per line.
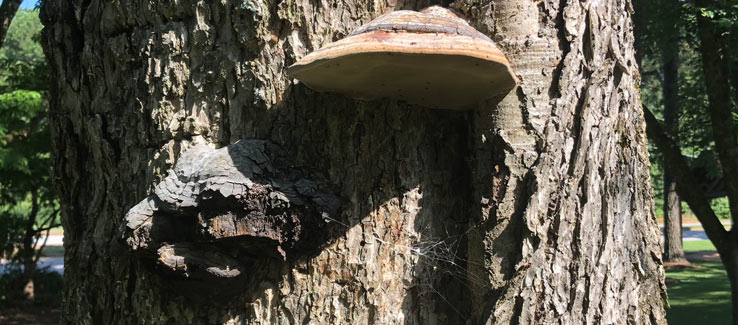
x=673, y=249
x=567, y=220
x=220, y=211
x=535, y=210
x=8, y=8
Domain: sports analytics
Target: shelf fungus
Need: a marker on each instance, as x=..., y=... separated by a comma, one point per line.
x=219, y=210
x=432, y=58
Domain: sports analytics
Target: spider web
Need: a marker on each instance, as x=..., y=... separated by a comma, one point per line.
x=436, y=254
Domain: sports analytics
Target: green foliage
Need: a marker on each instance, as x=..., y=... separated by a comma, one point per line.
x=664, y=22
x=25, y=138
x=695, y=128
x=670, y=28
x=23, y=75
x=721, y=207
x=24, y=142
x=22, y=62
x=48, y=287
x=22, y=40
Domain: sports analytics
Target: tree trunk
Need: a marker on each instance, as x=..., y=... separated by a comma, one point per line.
x=8, y=8
x=720, y=107
x=689, y=189
x=673, y=249
x=535, y=209
x=28, y=252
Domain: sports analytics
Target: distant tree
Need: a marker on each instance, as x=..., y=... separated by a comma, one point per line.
x=28, y=205
x=661, y=38
x=712, y=23
x=8, y=8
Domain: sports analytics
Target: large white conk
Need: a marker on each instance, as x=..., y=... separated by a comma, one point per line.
x=431, y=58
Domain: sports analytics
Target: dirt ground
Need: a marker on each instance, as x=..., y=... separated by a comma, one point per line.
x=707, y=256
x=697, y=256
x=31, y=315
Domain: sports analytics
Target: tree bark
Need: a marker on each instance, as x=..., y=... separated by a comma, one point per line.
x=673, y=249
x=8, y=8
x=29, y=248
x=561, y=169
x=535, y=209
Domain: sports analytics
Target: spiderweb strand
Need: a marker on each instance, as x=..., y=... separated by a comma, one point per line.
x=436, y=254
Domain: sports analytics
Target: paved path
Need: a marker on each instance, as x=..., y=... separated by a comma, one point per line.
x=55, y=240
x=693, y=235
x=55, y=264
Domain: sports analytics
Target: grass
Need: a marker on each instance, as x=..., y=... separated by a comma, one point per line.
x=703, y=295
x=698, y=245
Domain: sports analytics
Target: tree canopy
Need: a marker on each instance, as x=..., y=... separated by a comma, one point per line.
x=28, y=204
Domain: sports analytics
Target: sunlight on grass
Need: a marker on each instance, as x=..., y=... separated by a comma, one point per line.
x=698, y=245
x=703, y=295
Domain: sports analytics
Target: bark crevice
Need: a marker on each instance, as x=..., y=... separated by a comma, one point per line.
x=491, y=187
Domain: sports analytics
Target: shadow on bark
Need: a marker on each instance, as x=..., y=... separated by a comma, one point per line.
x=226, y=221
x=219, y=211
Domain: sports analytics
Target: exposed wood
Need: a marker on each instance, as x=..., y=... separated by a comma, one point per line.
x=189, y=260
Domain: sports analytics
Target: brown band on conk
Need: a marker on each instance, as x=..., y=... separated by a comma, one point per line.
x=419, y=28
x=414, y=22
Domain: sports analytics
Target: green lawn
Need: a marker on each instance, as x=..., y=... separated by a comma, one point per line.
x=703, y=295
x=698, y=245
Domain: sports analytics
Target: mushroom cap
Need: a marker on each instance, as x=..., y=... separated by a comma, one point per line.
x=431, y=58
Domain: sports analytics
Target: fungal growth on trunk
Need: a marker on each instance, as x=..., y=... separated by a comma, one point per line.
x=219, y=209
x=432, y=58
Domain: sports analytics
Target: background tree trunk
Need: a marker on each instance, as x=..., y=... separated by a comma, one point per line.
x=28, y=250
x=673, y=249
x=538, y=209
x=8, y=8
x=715, y=70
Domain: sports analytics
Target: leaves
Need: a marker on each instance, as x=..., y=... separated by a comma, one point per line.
x=666, y=20
x=22, y=41
x=26, y=193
